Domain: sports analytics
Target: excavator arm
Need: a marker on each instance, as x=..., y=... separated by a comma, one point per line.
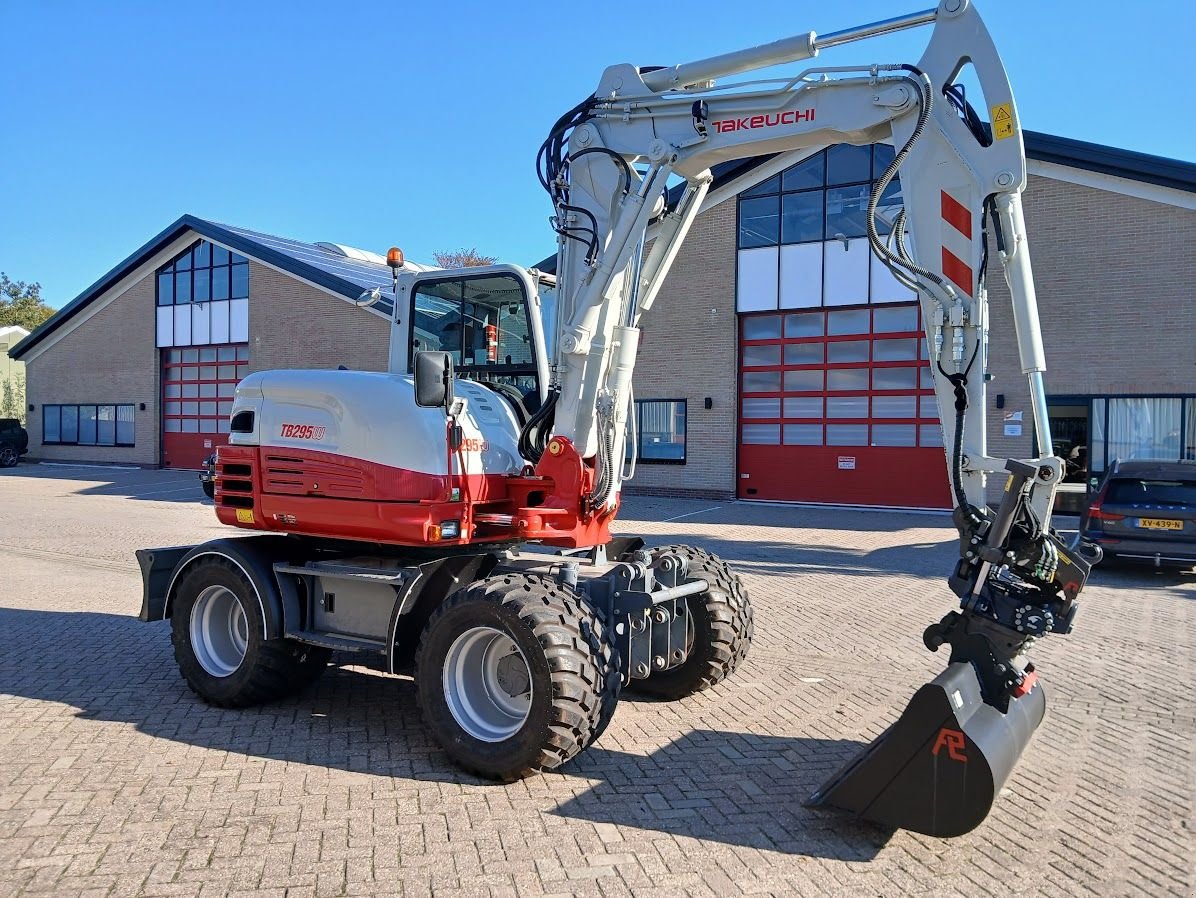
x=609, y=164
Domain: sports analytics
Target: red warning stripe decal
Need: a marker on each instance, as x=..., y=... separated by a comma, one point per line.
x=958, y=271
x=956, y=214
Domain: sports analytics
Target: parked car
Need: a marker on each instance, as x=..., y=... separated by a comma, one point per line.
x=207, y=476
x=1146, y=511
x=14, y=442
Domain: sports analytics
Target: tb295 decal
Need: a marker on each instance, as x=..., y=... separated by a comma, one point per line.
x=303, y=431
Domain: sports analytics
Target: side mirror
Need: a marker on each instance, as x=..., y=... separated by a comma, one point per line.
x=433, y=380
x=369, y=298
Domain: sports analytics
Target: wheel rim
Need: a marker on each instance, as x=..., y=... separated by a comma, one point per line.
x=7, y=456
x=219, y=631
x=487, y=684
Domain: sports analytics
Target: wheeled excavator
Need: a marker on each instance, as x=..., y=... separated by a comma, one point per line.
x=454, y=512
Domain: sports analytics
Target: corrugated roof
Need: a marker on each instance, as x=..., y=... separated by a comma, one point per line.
x=325, y=268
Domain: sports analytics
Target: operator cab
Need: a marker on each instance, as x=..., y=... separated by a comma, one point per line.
x=489, y=320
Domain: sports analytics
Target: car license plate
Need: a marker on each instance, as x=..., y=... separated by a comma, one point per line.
x=1160, y=524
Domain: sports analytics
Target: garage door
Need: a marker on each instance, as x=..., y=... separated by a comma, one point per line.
x=197, y=399
x=837, y=406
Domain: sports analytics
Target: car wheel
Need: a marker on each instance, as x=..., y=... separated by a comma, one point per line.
x=9, y=456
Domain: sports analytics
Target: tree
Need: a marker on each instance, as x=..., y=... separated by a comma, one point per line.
x=21, y=304
x=462, y=258
x=12, y=398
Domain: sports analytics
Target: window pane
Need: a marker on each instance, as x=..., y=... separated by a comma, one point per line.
x=1190, y=439
x=182, y=288
x=806, y=174
x=801, y=217
x=183, y=261
x=175, y=356
x=190, y=373
x=190, y=391
x=761, y=408
x=762, y=327
x=125, y=429
x=207, y=408
x=847, y=379
x=925, y=379
x=203, y=254
x=662, y=431
x=804, y=324
x=70, y=424
x=190, y=408
x=226, y=409
x=893, y=434
x=226, y=354
x=207, y=391
x=190, y=355
x=798, y=381
x=242, y=353
x=228, y=372
x=928, y=407
x=1144, y=428
x=761, y=434
x=893, y=378
x=222, y=426
x=219, y=255
x=87, y=425
x=887, y=321
x=847, y=407
x=172, y=408
x=759, y=221
x=851, y=322
x=756, y=356
x=803, y=434
x=51, y=428
x=846, y=164
x=165, y=289
x=895, y=406
x=847, y=351
x=207, y=354
x=190, y=425
x=905, y=350
x=202, y=291
x=887, y=207
x=225, y=390
x=803, y=354
x=207, y=425
x=930, y=435
x=772, y=185
x=172, y=425
x=882, y=155
x=207, y=372
x=220, y=283
x=762, y=382
x=803, y=407
x=847, y=434
x=240, y=288
x=847, y=211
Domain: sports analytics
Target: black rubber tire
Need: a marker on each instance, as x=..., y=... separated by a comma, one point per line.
x=9, y=456
x=722, y=629
x=272, y=668
x=209, y=488
x=575, y=674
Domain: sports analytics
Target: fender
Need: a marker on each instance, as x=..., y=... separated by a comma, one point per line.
x=255, y=556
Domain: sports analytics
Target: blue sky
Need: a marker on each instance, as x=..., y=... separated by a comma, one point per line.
x=379, y=123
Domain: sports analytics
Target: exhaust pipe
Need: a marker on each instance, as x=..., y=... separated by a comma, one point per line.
x=940, y=767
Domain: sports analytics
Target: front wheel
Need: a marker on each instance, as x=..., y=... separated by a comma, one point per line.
x=9, y=456
x=722, y=629
x=515, y=675
x=220, y=645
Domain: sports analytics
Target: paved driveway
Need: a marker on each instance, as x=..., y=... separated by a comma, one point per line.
x=115, y=781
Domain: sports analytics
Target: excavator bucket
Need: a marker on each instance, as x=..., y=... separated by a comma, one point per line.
x=938, y=769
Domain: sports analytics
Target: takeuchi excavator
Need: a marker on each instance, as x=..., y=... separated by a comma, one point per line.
x=454, y=512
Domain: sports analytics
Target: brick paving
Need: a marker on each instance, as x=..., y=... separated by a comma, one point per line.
x=115, y=781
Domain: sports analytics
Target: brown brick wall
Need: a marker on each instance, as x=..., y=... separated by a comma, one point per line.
x=294, y=325
x=1113, y=274
x=111, y=358
x=688, y=351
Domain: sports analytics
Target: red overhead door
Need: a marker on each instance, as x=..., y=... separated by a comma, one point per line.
x=197, y=398
x=837, y=406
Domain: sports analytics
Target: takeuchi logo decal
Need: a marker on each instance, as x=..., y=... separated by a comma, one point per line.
x=304, y=431
x=772, y=120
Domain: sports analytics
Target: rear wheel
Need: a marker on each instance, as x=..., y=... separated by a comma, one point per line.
x=722, y=631
x=515, y=675
x=220, y=646
x=9, y=456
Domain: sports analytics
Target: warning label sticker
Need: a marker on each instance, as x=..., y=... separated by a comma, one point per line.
x=244, y=515
x=1002, y=121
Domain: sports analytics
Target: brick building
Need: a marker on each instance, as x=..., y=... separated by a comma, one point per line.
x=780, y=362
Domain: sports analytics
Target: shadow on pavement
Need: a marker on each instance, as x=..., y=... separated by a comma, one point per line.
x=132, y=483
x=737, y=788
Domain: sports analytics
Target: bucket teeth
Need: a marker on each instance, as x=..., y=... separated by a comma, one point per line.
x=938, y=769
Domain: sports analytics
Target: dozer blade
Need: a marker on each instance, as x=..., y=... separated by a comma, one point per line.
x=938, y=769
